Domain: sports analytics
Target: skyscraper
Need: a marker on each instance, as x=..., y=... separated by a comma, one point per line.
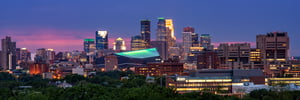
x=119, y=44
x=186, y=42
x=161, y=47
x=145, y=32
x=161, y=34
x=205, y=42
x=274, y=46
x=171, y=39
x=137, y=43
x=195, y=40
x=165, y=33
x=89, y=45
x=8, y=54
x=101, y=40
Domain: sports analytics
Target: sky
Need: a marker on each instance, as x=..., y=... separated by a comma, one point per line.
x=64, y=24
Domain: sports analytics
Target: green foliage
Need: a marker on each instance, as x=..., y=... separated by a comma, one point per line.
x=6, y=76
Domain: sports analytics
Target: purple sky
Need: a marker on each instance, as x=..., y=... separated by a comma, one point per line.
x=63, y=24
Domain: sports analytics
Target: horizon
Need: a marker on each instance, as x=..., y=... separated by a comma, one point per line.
x=63, y=25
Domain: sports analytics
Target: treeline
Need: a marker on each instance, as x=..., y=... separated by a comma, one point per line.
x=108, y=86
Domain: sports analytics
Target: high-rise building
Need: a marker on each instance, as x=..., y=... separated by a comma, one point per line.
x=205, y=41
x=119, y=45
x=195, y=40
x=41, y=56
x=165, y=32
x=171, y=39
x=161, y=34
x=50, y=55
x=186, y=41
x=89, y=45
x=23, y=55
x=145, y=32
x=274, y=46
x=234, y=55
x=111, y=62
x=101, y=40
x=8, y=54
x=161, y=47
x=137, y=43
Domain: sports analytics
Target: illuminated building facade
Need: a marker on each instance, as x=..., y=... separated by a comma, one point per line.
x=214, y=80
x=8, y=54
x=50, y=55
x=195, y=36
x=186, y=42
x=36, y=69
x=205, y=41
x=171, y=39
x=137, y=43
x=119, y=45
x=101, y=40
x=145, y=32
x=160, y=69
x=208, y=60
x=274, y=46
x=165, y=33
x=23, y=55
x=111, y=63
x=89, y=45
x=234, y=55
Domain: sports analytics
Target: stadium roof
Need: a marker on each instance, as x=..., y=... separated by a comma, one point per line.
x=140, y=54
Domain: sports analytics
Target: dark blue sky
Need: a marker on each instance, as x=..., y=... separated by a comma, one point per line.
x=44, y=23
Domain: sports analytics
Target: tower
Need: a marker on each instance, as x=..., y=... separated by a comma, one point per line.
x=119, y=45
x=274, y=46
x=205, y=42
x=186, y=41
x=8, y=54
x=89, y=45
x=101, y=40
x=137, y=43
x=145, y=32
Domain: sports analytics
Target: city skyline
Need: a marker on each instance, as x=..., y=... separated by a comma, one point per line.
x=64, y=25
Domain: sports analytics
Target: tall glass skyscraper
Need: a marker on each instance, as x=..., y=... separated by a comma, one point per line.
x=161, y=30
x=101, y=40
x=145, y=32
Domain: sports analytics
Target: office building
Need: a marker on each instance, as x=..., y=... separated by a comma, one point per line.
x=89, y=45
x=171, y=39
x=214, y=80
x=145, y=32
x=274, y=46
x=101, y=40
x=41, y=56
x=137, y=43
x=205, y=41
x=235, y=55
x=23, y=55
x=208, y=60
x=160, y=69
x=111, y=63
x=161, y=47
x=8, y=54
x=186, y=41
x=119, y=45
